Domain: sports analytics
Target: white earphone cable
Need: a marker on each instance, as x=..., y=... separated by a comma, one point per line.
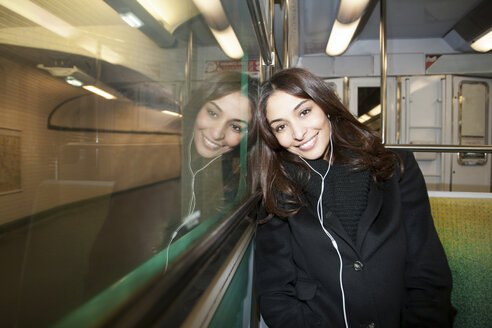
x=192, y=204
x=319, y=210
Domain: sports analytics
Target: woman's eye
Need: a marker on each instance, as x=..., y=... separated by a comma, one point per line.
x=237, y=128
x=212, y=113
x=279, y=128
x=304, y=112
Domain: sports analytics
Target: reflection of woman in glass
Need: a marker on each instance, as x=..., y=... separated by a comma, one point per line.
x=219, y=117
x=220, y=124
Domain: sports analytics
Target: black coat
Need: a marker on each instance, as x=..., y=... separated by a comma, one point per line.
x=396, y=275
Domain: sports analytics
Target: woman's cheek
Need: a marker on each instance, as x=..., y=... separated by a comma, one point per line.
x=282, y=140
x=233, y=139
x=202, y=120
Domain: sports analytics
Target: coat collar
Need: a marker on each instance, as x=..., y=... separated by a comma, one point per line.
x=374, y=203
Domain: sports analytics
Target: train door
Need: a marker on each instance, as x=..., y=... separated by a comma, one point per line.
x=423, y=120
x=472, y=126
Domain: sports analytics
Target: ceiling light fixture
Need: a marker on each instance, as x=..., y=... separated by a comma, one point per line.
x=99, y=92
x=340, y=37
x=345, y=24
x=219, y=25
x=484, y=43
x=364, y=118
x=375, y=111
x=73, y=81
x=228, y=42
x=351, y=10
x=168, y=112
x=131, y=19
x=78, y=78
x=151, y=27
x=170, y=13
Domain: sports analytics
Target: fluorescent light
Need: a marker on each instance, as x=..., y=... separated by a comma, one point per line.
x=171, y=13
x=168, y=112
x=228, y=42
x=98, y=91
x=131, y=19
x=340, y=37
x=219, y=26
x=351, y=10
x=364, y=118
x=375, y=111
x=213, y=12
x=483, y=44
x=73, y=81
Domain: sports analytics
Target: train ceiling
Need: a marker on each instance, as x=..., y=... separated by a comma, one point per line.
x=99, y=21
x=406, y=19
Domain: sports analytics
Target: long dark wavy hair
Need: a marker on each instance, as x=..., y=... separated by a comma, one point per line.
x=353, y=143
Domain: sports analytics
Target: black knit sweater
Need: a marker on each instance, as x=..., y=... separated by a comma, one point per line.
x=345, y=192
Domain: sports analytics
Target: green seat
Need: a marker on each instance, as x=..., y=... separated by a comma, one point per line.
x=464, y=226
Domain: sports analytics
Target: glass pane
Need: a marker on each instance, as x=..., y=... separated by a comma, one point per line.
x=369, y=107
x=123, y=139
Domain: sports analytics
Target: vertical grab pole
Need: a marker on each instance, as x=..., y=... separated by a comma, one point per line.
x=271, y=36
x=266, y=60
x=189, y=54
x=384, y=63
x=286, y=11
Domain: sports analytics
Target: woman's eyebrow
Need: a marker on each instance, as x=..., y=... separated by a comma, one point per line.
x=294, y=109
x=216, y=106
x=299, y=104
x=234, y=120
x=239, y=120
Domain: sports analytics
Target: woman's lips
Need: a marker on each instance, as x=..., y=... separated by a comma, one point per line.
x=309, y=144
x=210, y=144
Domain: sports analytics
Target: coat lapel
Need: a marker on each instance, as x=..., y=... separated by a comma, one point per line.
x=374, y=203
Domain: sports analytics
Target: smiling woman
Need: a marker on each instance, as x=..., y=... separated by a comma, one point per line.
x=217, y=119
x=346, y=238
x=220, y=124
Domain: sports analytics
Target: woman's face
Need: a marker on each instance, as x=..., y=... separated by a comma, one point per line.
x=299, y=125
x=220, y=124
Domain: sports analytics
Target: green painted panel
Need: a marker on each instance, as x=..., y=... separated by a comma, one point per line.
x=234, y=310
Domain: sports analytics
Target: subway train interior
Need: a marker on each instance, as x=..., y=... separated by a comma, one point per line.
x=117, y=210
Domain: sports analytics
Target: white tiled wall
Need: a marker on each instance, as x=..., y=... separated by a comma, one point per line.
x=59, y=167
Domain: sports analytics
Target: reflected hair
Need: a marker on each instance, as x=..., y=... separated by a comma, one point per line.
x=353, y=143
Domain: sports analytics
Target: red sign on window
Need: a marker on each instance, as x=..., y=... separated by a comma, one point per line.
x=253, y=66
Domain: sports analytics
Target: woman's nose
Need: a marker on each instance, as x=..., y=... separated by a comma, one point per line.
x=299, y=132
x=218, y=132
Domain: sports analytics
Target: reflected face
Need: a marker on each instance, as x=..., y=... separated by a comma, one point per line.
x=299, y=125
x=220, y=124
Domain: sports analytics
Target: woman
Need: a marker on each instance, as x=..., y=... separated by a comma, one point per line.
x=219, y=116
x=348, y=239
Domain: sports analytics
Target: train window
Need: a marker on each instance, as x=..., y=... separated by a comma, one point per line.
x=369, y=107
x=473, y=120
x=124, y=139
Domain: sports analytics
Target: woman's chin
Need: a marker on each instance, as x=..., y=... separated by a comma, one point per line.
x=207, y=152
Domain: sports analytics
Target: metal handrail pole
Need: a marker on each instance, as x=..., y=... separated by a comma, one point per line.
x=260, y=30
x=441, y=148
